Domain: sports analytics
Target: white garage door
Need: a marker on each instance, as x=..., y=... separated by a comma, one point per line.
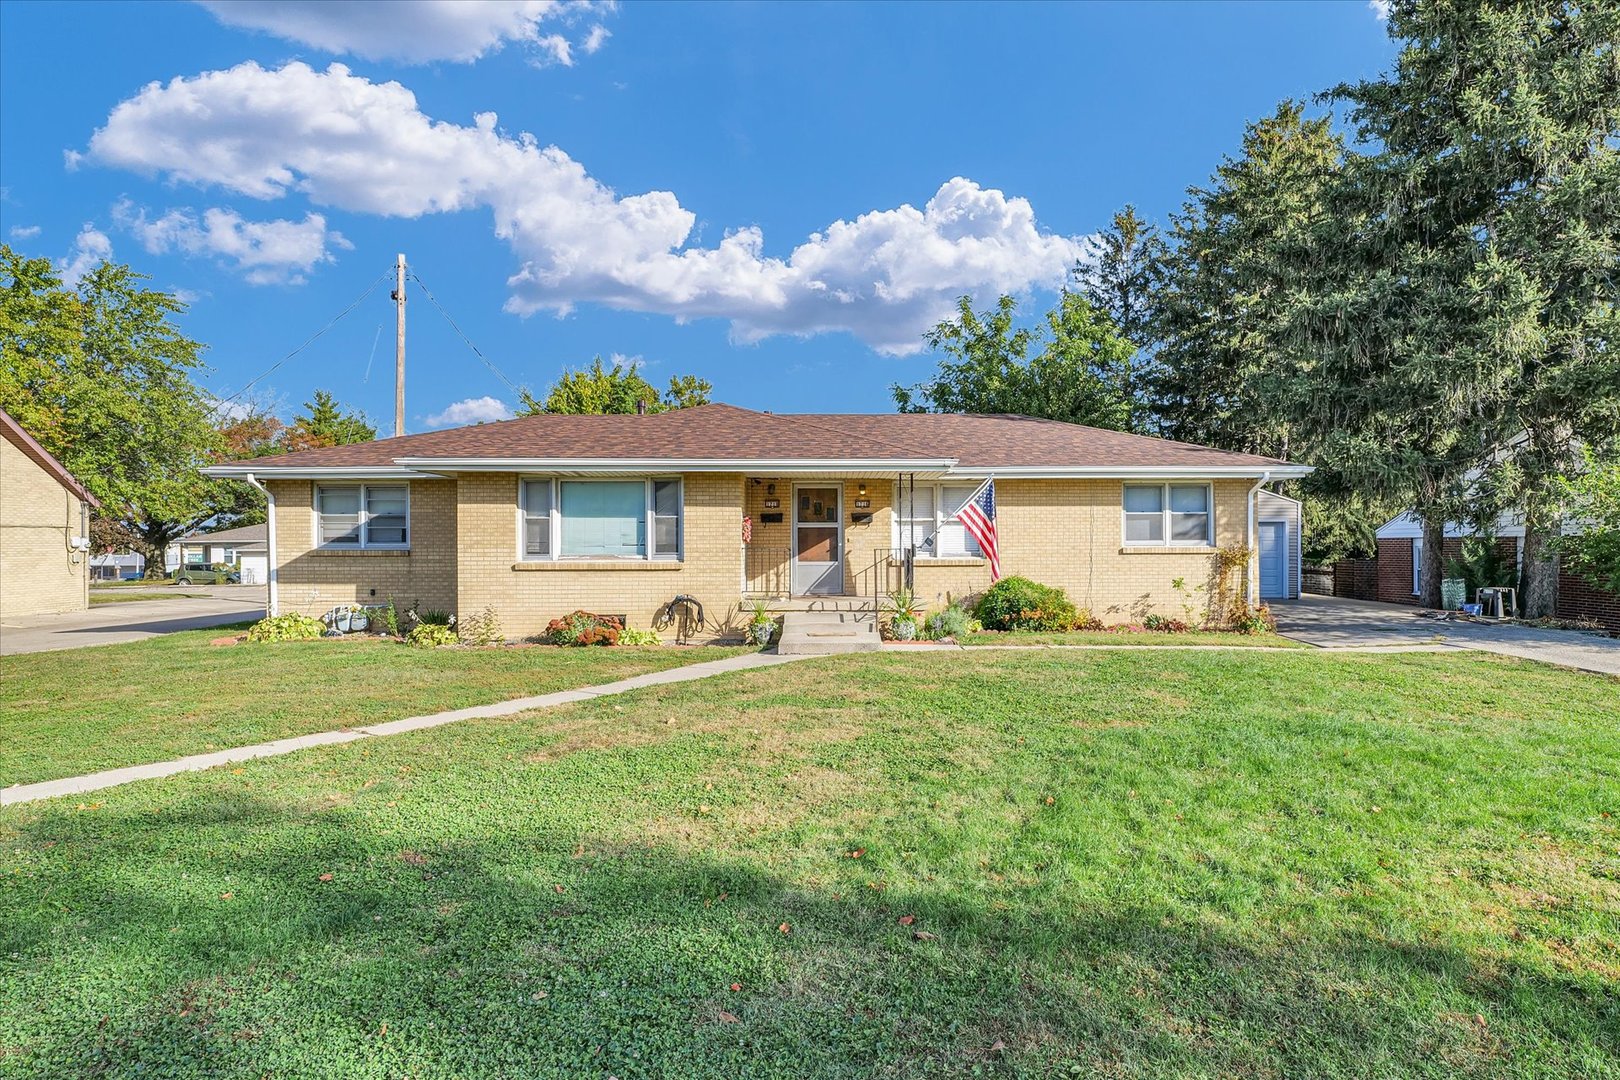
x=255, y=569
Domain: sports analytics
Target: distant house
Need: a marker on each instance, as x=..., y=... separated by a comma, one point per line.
x=44, y=529
x=1397, y=576
x=117, y=566
x=538, y=516
x=246, y=547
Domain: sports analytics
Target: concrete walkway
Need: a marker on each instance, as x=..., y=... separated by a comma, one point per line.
x=133, y=620
x=78, y=785
x=1337, y=623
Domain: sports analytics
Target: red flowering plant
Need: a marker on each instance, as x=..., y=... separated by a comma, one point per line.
x=583, y=628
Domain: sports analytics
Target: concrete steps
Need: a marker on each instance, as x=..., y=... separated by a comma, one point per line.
x=822, y=633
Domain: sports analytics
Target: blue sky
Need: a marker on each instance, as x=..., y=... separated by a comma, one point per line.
x=778, y=198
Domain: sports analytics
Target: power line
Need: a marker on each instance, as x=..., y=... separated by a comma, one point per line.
x=499, y=374
x=311, y=339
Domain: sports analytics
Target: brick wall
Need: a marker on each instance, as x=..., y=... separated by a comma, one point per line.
x=1579, y=599
x=1357, y=579
x=39, y=575
x=1065, y=533
x=1395, y=565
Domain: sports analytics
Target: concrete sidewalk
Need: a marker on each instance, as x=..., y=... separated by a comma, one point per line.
x=78, y=785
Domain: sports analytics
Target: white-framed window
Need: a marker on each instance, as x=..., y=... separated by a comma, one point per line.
x=1171, y=515
x=362, y=515
x=1417, y=566
x=926, y=516
x=599, y=519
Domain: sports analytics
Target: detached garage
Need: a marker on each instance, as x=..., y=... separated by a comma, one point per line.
x=1279, y=524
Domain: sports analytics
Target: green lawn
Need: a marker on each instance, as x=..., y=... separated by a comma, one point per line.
x=1133, y=637
x=71, y=712
x=1121, y=864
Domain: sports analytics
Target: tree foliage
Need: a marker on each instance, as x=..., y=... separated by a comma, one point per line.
x=325, y=423
x=1121, y=282
x=1062, y=370
x=102, y=377
x=1593, y=496
x=599, y=390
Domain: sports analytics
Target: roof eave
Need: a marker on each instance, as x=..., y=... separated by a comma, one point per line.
x=1116, y=472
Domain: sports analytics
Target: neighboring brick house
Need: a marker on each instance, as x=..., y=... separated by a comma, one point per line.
x=44, y=529
x=542, y=515
x=1400, y=545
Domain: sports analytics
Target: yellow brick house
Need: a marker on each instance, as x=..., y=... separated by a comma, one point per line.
x=44, y=529
x=542, y=515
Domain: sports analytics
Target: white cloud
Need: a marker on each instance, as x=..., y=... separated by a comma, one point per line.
x=91, y=248
x=278, y=252
x=24, y=232
x=1379, y=8
x=414, y=31
x=345, y=142
x=595, y=39
x=478, y=410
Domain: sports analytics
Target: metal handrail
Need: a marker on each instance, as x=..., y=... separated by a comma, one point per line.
x=767, y=570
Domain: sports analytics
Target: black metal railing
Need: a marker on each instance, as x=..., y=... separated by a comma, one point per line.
x=890, y=570
x=767, y=571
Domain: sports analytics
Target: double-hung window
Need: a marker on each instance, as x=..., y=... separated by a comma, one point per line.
x=362, y=516
x=926, y=517
x=1174, y=515
x=600, y=519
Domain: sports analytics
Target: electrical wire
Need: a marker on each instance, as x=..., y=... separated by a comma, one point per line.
x=499, y=374
x=310, y=340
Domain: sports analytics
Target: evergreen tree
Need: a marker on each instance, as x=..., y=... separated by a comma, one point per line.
x=1120, y=282
x=324, y=423
x=1480, y=290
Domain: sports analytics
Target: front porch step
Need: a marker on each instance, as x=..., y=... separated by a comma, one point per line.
x=821, y=633
x=784, y=604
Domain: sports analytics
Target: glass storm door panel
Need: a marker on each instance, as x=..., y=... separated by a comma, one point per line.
x=1273, y=559
x=818, y=542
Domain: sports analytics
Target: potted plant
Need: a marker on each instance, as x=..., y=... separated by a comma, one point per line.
x=359, y=620
x=761, y=627
x=905, y=615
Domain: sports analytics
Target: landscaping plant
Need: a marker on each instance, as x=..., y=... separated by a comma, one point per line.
x=483, y=628
x=1017, y=603
x=905, y=615
x=289, y=627
x=761, y=627
x=582, y=628
x=631, y=636
x=429, y=635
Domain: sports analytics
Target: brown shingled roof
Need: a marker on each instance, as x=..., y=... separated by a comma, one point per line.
x=719, y=433
x=14, y=434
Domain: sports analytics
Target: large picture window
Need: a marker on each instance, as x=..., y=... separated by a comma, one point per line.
x=926, y=517
x=600, y=519
x=1174, y=515
x=362, y=516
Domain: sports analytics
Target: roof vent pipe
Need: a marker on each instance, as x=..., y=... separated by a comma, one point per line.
x=641, y=406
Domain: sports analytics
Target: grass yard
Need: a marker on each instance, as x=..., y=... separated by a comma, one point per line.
x=1135, y=637
x=71, y=712
x=1121, y=864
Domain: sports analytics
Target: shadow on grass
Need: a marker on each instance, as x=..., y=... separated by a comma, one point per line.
x=207, y=943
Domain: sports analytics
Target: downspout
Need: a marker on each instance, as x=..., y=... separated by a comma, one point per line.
x=271, y=601
x=1252, y=570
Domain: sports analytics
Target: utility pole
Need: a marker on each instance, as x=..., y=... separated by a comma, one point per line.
x=399, y=349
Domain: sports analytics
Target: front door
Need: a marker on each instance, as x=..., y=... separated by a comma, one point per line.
x=1273, y=560
x=818, y=541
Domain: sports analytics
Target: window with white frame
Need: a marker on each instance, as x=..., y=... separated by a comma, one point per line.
x=362, y=515
x=1417, y=566
x=926, y=516
x=600, y=519
x=1174, y=515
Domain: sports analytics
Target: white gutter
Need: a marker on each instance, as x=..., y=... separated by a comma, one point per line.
x=1114, y=472
x=356, y=472
x=670, y=464
x=1252, y=570
x=271, y=599
x=430, y=468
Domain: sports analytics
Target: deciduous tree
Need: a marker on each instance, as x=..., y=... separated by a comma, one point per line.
x=599, y=390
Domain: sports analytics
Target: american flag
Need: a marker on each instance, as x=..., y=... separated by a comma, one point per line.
x=978, y=516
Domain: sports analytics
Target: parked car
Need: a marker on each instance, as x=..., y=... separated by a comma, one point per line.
x=207, y=575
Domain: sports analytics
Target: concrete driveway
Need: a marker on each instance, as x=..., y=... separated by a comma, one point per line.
x=1331, y=621
x=106, y=624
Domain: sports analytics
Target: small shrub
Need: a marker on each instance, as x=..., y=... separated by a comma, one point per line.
x=582, y=628
x=385, y=620
x=427, y=635
x=1165, y=625
x=289, y=627
x=481, y=629
x=1085, y=620
x=435, y=618
x=631, y=636
x=953, y=622
x=1255, y=621
x=1017, y=603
